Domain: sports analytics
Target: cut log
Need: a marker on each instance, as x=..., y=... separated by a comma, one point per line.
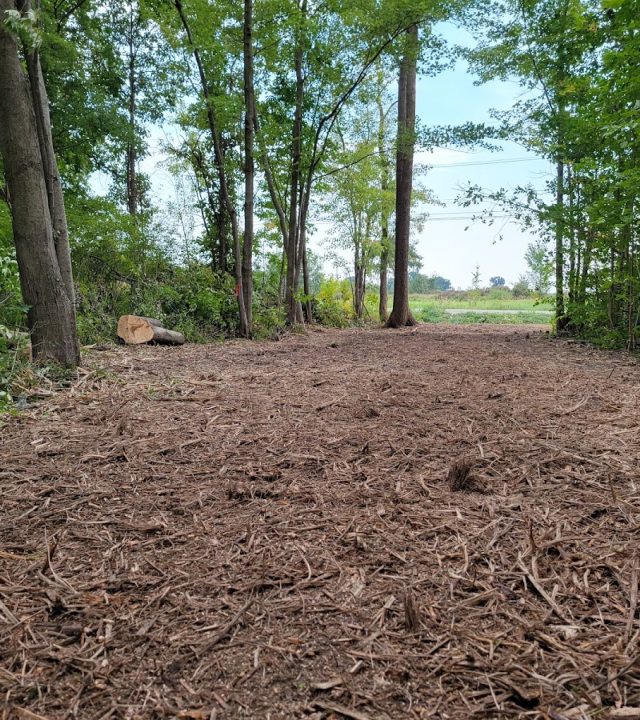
x=137, y=330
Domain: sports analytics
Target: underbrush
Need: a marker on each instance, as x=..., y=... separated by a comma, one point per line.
x=21, y=380
x=520, y=318
x=193, y=300
x=333, y=305
x=432, y=308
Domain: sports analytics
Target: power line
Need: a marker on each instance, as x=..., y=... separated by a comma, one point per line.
x=468, y=213
x=462, y=217
x=437, y=165
x=458, y=212
x=482, y=162
x=440, y=218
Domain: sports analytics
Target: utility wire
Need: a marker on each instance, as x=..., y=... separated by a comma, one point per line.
x=461, y=217
x=469, y=163
x=481, y=162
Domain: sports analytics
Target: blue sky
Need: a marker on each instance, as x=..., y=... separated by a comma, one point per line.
x=451, y=98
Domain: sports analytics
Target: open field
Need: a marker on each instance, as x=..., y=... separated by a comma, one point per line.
x=438, y=522
x=479, y=300
x=474, y=307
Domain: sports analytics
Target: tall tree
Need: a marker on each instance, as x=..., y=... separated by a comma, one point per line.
x=384, y=186
x=249, y=164
x=35, y=191
x=544, y=44
x=400, y=314
x=227, y=200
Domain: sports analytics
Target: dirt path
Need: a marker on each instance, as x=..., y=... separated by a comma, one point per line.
x=266, y=530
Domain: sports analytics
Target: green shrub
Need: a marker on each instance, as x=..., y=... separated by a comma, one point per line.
x=333, y=305
x=192, y=300
x=12, y=309
x=432, y=314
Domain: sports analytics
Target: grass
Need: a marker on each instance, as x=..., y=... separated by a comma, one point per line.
x=432, y=308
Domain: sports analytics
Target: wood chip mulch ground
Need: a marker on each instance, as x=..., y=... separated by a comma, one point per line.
x=435, y=522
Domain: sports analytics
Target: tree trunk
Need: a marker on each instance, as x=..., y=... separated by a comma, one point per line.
x=225, y=196
x=384, y=221
x=308, y=307
x=137, y=330
x=302, y=234
x=559, y=237
x=400, y=314
x=221, y=226
x=50, y=167
x=573, y=249
x=296, y=151
x=384, y=281
x=360, y=269
x=31, y=176
x=249, y=165
x=132, y=180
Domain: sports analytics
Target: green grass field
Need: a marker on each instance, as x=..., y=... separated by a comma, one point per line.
x=475, y=306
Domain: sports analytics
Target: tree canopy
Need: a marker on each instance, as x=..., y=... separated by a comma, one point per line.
x=277, y=117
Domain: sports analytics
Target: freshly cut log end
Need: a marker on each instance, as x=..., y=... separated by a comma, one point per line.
x=138, y=330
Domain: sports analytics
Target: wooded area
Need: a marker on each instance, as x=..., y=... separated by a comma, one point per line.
x=276, y=110
x=353, y=507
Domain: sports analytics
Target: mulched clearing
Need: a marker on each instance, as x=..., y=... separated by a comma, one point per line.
x=441, y=522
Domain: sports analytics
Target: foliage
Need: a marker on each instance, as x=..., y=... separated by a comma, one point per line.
x=477, y=306
x=540, y=264
x=11, y=367
x=12, y=309
x=420, y=283
x=521, y=287
x=190, y=299
x=118, y=74
x=580, y=110
x=501, y=298
x=25, y=27
x=475, y=278
x=333, y=305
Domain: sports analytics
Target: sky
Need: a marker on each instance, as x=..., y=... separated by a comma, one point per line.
x=450, y=243
x=453, y=247
x=448, y=249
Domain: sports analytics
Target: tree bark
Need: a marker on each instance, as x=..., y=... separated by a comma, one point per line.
x=132, y=180
x=225, y=196
x=384, y=221
x=400, y=314
x=296, y=152
x=360, y=267
x=306, y=286
x=249, y=165
x=302, y=233
x=44, y=265
x=559, y=241
x=384, y=280
x=55, y=195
